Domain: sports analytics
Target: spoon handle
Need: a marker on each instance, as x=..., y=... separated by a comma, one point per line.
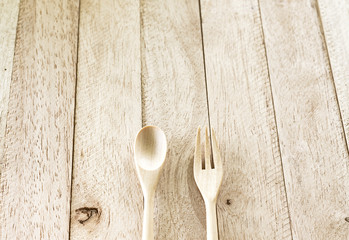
x=148, y=220
x=211, y=220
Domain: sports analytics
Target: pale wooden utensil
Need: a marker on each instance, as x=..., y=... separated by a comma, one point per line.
x=150, y=153
x=208, y=180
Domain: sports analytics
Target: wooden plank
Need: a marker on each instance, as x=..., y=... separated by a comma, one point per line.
x=253, y=202
x=311, y=135
x=35, y=180
x=335, y=22
x=8, y=23
x=174, y=98
x=106, y=197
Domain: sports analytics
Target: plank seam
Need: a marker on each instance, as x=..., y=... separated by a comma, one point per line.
x=322, y=30
x=13, y=58
x=141, y=39
x=73, y=147
x=9, y=91
x=275, y=122
x=2, y=162
x=205, y=76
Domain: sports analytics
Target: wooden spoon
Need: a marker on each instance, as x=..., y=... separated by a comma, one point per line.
x=149, y=153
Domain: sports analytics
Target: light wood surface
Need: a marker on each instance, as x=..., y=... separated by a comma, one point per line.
x=106, y=196
x=208, y=175
x=276, y=91
x=8, y=25
x=252, y=203
x=150, y=153
x=312, y=143
x=174, y=99
x=335, y=21
x=36, y=168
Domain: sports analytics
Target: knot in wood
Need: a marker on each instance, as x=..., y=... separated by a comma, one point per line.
x=86, y=213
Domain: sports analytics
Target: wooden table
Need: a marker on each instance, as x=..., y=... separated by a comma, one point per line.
x=80, y=78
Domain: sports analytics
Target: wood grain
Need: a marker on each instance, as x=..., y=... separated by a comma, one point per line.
x=311, y=136
x=35, y=180
x=8, y=24
x=252, y=202
x=174, y=98
x=335, y=22
x=106, y=196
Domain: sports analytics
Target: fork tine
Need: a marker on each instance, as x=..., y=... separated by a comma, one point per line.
x=215, y=150
x=207, y=151
x=197, y=154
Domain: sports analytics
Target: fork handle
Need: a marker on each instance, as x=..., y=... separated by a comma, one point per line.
x=211, y=220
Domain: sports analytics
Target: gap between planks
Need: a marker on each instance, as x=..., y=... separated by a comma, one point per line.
x=276, y=124
x=74, y=118
x=345, y=136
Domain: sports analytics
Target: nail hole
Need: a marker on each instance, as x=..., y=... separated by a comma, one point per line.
x=228, y=201
x=346, y=219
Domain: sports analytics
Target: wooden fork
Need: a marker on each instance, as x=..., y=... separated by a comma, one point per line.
x=208, y=179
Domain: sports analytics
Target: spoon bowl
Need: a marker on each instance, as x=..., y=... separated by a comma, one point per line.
x=150, y=148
